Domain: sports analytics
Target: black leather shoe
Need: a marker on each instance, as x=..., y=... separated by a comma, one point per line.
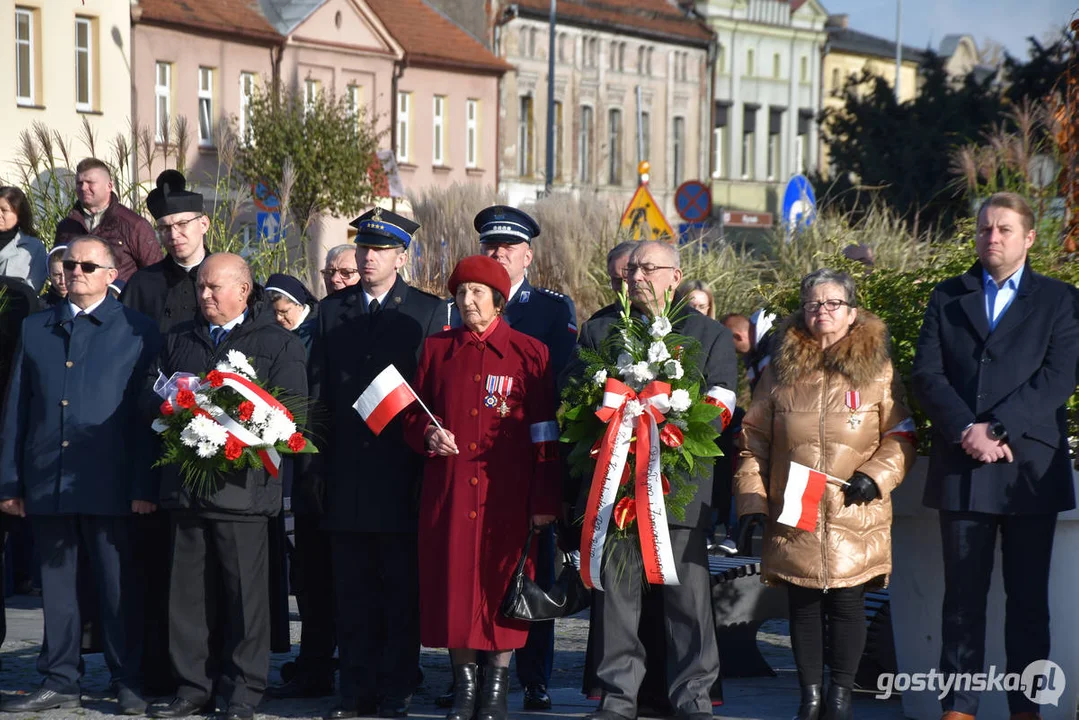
x=809, y=709
x=348, y=709
x=302, y=686
x=394, y=707
x=464, y=692
x=178, y=708
x=493, y=704
x=41, y=699
x=239, y=711
x=536, y=697
x=445, y=700
x=837, y=706
x=130, y=702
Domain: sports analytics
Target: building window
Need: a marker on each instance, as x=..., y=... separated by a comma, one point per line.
x=721, y=140
x=835, y=79
x=640, y=59
x=525, y=138
x=804, y=74
x=614, y=147
x=621, y=57
x=247, y=94
x=163, y=97
x=593, y=52
x=802, y=145
x=775, y=142
x=646, y=136
x=24, y=56
x=749, y=63
x=311, y=90
x=584, y=146
x=472, y=120
x=558, y=141
x=353, y=101
x=206, y=107
x=749, y=141
x=721, y=59
x=404, y=126
x=561, y=47
x=84, y=99
x=648, y=62
x=439, y=122
x=775, y=66
x=679, y=155
x=532, y=42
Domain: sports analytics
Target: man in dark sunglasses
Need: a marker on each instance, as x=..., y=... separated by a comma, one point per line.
x=75, y=458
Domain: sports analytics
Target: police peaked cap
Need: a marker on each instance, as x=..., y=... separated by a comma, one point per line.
x=504, y=224
x=171, y=196
x=382, y=228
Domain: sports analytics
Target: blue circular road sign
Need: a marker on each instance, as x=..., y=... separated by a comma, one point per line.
x=693, y=201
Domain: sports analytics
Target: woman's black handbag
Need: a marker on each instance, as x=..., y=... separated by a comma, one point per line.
x=526, y=601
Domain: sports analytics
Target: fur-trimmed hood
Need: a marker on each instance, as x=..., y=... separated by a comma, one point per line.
x=860, y=356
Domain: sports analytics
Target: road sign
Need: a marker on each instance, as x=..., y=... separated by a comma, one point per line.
x=269, y=226
x=738, y=218
x=264, y=198
x=799, y=202
x=644, y=219
x=693, y=201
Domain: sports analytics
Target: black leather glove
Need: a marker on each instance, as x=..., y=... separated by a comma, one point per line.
x=860, y=489
x=746, y=523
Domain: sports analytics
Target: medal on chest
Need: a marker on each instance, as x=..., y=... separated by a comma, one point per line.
x=498, y=391
x=853, y=401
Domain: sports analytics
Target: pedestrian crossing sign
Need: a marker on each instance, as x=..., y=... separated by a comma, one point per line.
x=643, y=218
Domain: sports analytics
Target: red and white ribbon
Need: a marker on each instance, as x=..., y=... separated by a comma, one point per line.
x=853, y=400
x=271, y=459
x=723, y=399
x=627, y=413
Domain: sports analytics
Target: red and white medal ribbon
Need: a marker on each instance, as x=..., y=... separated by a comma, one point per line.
x=627, y=413
x=853, y=400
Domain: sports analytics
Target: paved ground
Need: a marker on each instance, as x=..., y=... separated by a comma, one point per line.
x=747, y=699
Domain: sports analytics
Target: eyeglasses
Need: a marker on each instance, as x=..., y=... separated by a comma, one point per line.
x=87, y=267
x=346, y=273
x=829, y=305
x=165, y=228
x=646, y=268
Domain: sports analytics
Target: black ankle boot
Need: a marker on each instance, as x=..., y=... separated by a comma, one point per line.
x=496, y=682
x=464, y=692
x=838, y=704
x=809, y=709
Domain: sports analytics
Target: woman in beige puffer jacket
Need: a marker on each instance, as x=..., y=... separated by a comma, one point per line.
x=829, y=400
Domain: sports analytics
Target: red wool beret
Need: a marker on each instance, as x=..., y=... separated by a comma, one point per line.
x=481, y=269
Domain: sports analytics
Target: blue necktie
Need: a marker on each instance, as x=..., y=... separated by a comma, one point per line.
x=218, y=335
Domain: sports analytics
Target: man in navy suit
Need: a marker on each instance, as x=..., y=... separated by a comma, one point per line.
x=75, y=460
x=995, y=364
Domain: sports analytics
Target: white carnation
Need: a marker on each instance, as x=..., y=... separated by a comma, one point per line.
x=239, y=362
x=660, y=327
x=624, y=362
x=600, y=378
x=633, y=408
x=658, y=352
x=642, y=372
x=680, y=401
x=278, y=427
x=673, y=369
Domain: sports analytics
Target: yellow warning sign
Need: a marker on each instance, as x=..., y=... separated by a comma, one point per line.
x=644, y=219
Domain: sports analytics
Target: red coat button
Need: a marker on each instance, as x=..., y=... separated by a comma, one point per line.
x=472, y=446
x=475, y=481
x=473, y=412
x=481, y=345
x=477, y=377
x=472, y=515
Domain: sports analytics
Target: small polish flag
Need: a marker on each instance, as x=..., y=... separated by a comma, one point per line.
x=386, y=396
x=801, y=498
x=725, y=400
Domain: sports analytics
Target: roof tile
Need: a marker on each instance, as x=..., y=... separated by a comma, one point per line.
x=652, y=18
x=234, y=17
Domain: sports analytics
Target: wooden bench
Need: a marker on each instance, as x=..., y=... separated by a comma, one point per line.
x=741, y=603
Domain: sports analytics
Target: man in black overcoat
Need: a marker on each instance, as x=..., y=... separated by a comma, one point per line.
x=219, y=614
x=692, y=655
x=367, y=486
x=995, y=364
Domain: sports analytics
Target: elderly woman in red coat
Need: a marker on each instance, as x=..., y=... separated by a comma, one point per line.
x=492, y=473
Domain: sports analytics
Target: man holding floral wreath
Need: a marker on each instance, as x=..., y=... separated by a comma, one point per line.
x=220, y=532
x=652, y=274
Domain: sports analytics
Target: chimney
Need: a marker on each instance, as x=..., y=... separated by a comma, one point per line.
x=838, y=22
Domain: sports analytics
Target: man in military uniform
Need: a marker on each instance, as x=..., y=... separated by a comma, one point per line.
x=366, y=486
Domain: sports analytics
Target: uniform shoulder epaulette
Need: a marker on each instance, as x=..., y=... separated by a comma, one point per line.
x=552, y=293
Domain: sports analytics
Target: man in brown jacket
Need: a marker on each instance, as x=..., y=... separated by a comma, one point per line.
x=98, y=212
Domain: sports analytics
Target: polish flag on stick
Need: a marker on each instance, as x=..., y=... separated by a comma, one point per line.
x=801, y=498
x=386, y=396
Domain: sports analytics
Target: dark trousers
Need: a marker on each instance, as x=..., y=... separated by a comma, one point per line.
x=151, y=546
x=105, y=540
x=219, y=590
x=535, y=659
x=312, y=569
x=969, y=540
x=845, y=611
x=378, y=628
x=692, y=655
